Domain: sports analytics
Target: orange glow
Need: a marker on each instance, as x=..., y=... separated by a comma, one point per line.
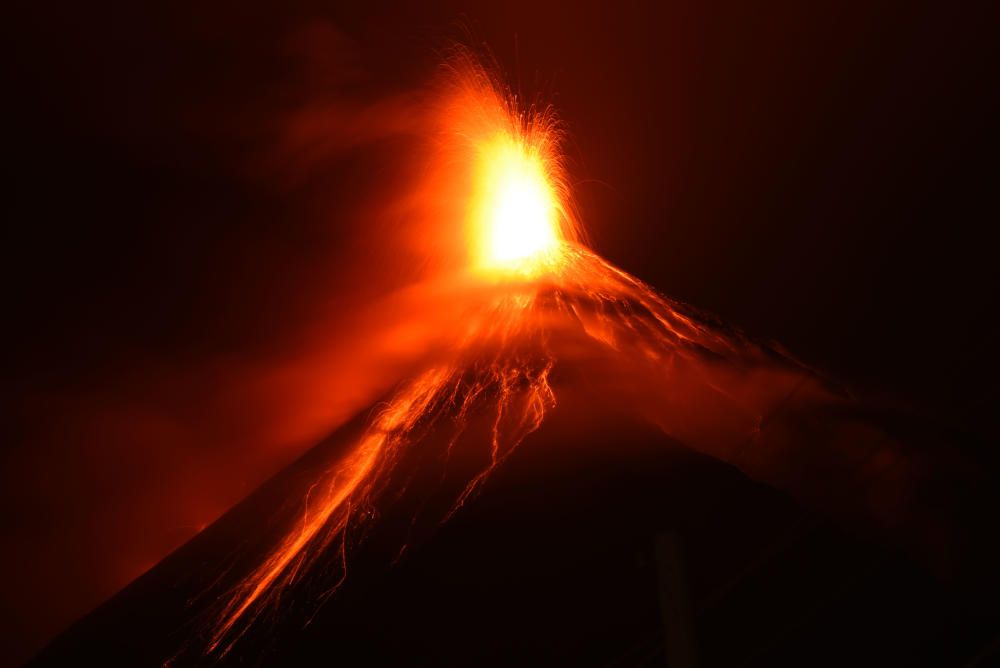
x=502, y=165
x=514, y=209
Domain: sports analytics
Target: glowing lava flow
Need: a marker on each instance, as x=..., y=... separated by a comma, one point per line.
x=536, y=282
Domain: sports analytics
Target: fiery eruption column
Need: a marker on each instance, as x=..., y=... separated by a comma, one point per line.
x=534, y=284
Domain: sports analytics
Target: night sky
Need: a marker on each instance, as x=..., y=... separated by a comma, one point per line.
x=186, y=246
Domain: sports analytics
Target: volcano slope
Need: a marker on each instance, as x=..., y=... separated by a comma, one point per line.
x=532, y=492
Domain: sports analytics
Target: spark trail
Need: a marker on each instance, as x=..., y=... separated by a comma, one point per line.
x=535, y=288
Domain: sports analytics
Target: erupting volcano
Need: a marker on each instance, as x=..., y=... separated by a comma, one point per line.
x=518, y=317
x=532, y=297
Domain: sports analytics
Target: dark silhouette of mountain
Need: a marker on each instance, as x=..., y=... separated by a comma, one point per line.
x=599, y=542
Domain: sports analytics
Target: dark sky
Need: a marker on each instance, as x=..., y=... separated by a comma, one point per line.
x=821, y=174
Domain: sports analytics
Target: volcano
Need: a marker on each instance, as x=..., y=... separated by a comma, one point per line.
x=575, y=469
